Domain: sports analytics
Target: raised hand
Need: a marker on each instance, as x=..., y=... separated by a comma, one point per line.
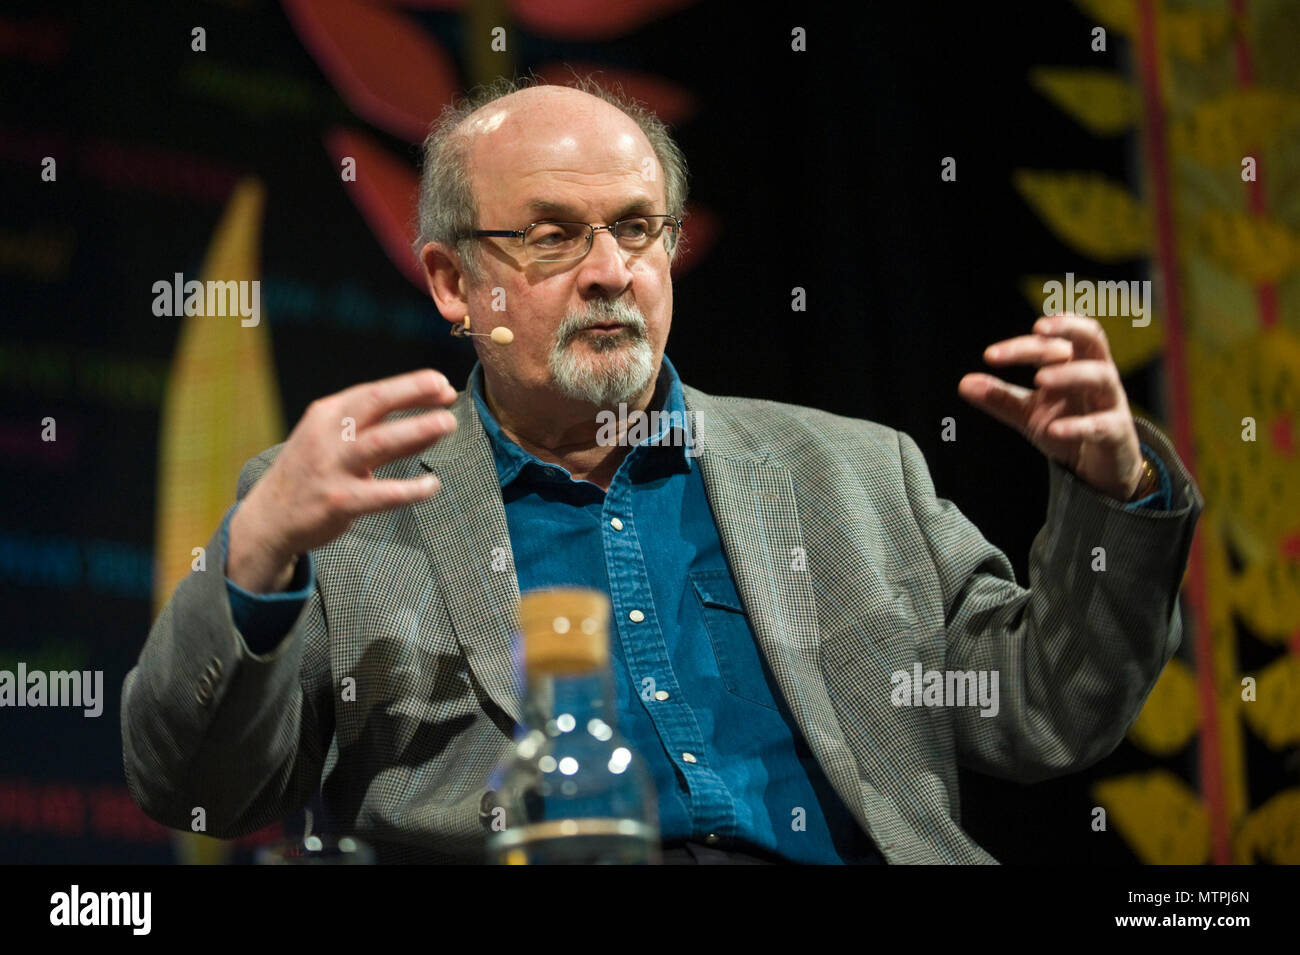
x=1079, y=414
x=319, y=482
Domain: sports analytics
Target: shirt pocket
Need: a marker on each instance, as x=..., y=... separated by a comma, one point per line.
x=740, y=662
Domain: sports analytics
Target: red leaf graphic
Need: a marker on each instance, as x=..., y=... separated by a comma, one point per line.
x=591, y=19
x=385, y=192
x=701, y=228
x=428, y=4
x=389, y=70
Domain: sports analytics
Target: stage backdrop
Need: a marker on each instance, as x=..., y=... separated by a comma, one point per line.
x=878, y=192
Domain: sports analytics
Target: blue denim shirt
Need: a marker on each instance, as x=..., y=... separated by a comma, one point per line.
x=693, y=695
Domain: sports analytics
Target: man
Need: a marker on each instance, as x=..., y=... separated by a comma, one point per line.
x=777, y=573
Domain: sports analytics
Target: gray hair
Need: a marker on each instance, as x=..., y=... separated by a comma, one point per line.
x=447, y=210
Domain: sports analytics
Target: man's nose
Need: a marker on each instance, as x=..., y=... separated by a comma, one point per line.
x=606, y=265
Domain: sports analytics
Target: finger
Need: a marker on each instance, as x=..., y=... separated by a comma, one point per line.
x=1045, y=411
x=1086, y=333
x=372, y=400
x=372, y=495
x=1101, y=427
x=1009, y=403
x=1029, y=350
x=1099, y=377
x=390, y=440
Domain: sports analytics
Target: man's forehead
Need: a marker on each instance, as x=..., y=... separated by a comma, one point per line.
x=541, y=103
x=557, y=137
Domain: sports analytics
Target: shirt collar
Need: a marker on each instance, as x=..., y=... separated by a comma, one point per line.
x=672, y=435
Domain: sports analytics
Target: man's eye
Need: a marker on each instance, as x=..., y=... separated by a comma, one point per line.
x=549, y=235
x=635, y=228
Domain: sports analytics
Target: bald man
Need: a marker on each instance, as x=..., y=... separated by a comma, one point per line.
x=806, y=641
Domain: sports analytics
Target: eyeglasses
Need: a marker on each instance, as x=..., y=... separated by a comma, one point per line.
x=565, y=241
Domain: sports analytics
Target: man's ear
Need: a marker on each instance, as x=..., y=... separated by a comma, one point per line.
x=446, y=281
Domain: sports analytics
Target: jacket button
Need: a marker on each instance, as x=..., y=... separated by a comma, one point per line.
x=214, y=667
x=204, y=693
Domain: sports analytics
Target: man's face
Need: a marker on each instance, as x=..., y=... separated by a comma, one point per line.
x=595, y=328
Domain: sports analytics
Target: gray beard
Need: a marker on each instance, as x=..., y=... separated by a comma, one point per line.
x=621, y=368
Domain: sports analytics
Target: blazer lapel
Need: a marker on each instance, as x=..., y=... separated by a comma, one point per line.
x=464, y=528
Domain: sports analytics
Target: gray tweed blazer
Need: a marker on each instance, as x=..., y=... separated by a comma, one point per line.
x=393, y=692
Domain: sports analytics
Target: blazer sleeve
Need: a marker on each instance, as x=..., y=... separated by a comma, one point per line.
x=1079, y=651
x=209, y=724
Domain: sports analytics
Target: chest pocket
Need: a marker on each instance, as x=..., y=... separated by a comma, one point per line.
x=740, y=662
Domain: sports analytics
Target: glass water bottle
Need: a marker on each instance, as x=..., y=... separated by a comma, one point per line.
x=573, y=791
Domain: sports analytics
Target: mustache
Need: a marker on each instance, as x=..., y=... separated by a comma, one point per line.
x=601, y=313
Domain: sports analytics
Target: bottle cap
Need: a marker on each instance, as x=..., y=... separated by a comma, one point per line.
x=564, y=629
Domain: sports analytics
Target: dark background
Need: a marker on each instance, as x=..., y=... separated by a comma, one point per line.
x=822, y=167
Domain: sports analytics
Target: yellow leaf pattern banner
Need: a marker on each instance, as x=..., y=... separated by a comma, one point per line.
x=1088, y=212
x=1103, y=103
x=1224, y=81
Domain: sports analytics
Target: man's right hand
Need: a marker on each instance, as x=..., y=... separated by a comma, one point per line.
x=319, y=482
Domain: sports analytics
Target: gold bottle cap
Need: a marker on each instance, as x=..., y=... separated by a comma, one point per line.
x=564, y=629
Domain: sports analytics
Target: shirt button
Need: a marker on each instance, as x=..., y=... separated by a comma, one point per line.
x=688, y=757
x=661, y=695
x=616, y=524
x=636, y=616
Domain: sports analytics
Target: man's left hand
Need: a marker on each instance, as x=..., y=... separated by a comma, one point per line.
x=1078, y=414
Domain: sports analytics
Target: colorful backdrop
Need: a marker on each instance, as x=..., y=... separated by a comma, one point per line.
x=919, y=172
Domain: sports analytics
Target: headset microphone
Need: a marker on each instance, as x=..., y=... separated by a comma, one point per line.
x=501, y=335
